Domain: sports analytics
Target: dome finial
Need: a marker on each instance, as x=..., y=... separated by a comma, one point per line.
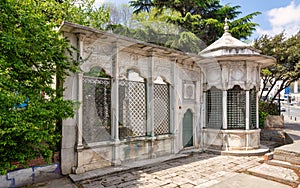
x=226, y=27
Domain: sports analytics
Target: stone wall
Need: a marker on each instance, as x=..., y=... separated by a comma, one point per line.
x=95, y=156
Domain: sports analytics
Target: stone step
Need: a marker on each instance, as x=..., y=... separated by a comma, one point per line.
x=288, y=153
x=283, y=164
x=276, y=173
x=254, y=152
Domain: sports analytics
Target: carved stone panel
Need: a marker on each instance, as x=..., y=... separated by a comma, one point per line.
x=96, y=53
x=189, y=90
x=238, y=73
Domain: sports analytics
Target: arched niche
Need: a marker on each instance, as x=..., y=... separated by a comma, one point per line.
x=161, y=102
x=160, y=80
x=134, y=75
x=92, y=63
x=96, y=72
x=187, y=129
x=96, y=104
x=132, y=105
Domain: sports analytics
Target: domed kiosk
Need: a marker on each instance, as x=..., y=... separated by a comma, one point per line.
x=231, y=85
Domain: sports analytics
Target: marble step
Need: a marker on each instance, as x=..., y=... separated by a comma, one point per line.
x=284, y=164
x=289, y=153
x=276, y=173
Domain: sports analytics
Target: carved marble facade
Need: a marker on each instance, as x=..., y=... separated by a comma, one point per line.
x=184, y=79
x=232, y=77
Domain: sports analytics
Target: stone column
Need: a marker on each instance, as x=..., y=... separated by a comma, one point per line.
x=173, y=101
x=79, y=147
x=224, y=104
x=257, y=96
x=80, y=111
x=69, y=129
x=150, y=97
x=115, y=94
x=115, y=105
x=257, y=110
x=197, y=123
x=204, y=110
x=172, y=96
x=150, y=105
x=247, y=110
x=81, y=38
x=204, y=103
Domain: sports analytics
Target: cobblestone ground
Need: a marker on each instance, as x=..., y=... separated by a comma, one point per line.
x=198, y=170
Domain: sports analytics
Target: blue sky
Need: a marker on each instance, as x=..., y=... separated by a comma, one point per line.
x=277, y=15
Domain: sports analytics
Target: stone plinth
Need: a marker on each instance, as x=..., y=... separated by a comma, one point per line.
x=227, y=140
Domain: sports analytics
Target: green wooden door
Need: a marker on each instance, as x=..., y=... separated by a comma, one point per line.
x=187, y=129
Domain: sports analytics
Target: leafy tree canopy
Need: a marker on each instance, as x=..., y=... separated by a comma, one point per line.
x=287, y=53
x=204, y=18
x=154, y=28
x=32, y=55
x=83, y=12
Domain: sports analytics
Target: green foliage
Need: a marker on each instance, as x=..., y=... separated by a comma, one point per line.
x=262, y=118
x=82, y=12
x=31, y=54
x=286, y=69
x=205, y=19
x=154, y=28
x=265, y=109
x=269, y=108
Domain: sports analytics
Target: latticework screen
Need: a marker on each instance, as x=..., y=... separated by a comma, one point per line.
x=253, y=109
x=161, y=109
x=236, y=108
x=214, y=113
x=96, y=109
x=132, y=109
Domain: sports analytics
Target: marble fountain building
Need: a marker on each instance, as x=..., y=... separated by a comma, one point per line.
x=140, y=101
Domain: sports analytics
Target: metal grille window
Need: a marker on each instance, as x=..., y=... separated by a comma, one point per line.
x=214, y=113
x=253, y=109
x=236, y=108
x=161, y=109
x=132, y=109
x=96, y=109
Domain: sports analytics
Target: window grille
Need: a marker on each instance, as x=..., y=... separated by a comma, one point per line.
x=132, y=109
x=96, y=109
x=161, y=109
x=253, y=109
x=236, y=108
x=214, y=106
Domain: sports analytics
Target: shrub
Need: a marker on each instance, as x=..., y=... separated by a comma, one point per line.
x=265, y=109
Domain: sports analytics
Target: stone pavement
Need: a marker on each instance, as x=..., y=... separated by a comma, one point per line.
x=195, y=170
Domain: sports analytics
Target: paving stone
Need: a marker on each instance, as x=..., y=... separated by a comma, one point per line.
x=187, y=185
x=170, y=185
x=207, y=184
x=127, y=184
x=276, y=171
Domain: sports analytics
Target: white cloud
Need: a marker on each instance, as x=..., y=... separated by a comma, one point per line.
x=283, y=19
x=285, y=15
x=98, y=3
